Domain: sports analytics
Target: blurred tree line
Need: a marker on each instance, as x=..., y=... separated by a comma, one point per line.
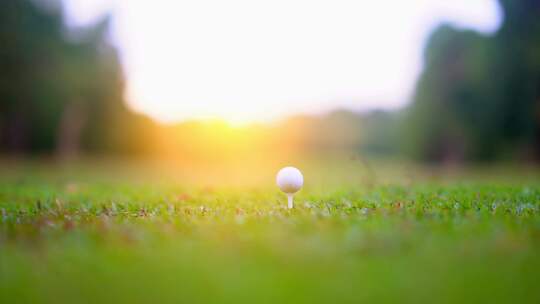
x=60, y=89
x=478, y=98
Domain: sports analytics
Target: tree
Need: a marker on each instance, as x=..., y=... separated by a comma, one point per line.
x=60, y=89
x=478, y=96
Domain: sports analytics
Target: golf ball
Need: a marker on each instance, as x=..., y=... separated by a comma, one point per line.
x=289, y=180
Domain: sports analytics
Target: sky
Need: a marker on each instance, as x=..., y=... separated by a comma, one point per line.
x=257, y=61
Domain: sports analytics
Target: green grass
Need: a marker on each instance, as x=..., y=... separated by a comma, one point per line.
x=97, y=233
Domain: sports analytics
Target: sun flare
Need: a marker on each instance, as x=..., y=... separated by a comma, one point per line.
x=256, y=61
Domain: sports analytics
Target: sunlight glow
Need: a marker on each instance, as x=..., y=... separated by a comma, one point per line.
x=247, y=60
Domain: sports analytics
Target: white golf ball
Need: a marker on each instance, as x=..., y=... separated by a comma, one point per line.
x=289, y=180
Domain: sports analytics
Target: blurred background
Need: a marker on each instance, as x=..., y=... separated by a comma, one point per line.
x=214, y=82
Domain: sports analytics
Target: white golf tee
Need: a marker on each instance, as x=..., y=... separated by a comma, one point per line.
x=290, y=200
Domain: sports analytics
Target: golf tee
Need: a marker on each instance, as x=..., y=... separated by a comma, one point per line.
x=290, y=200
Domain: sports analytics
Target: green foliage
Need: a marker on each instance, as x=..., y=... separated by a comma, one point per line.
x=60, y=89
x=380, y=134
x=453, y=108
x=29, y=90
x=478, y=96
